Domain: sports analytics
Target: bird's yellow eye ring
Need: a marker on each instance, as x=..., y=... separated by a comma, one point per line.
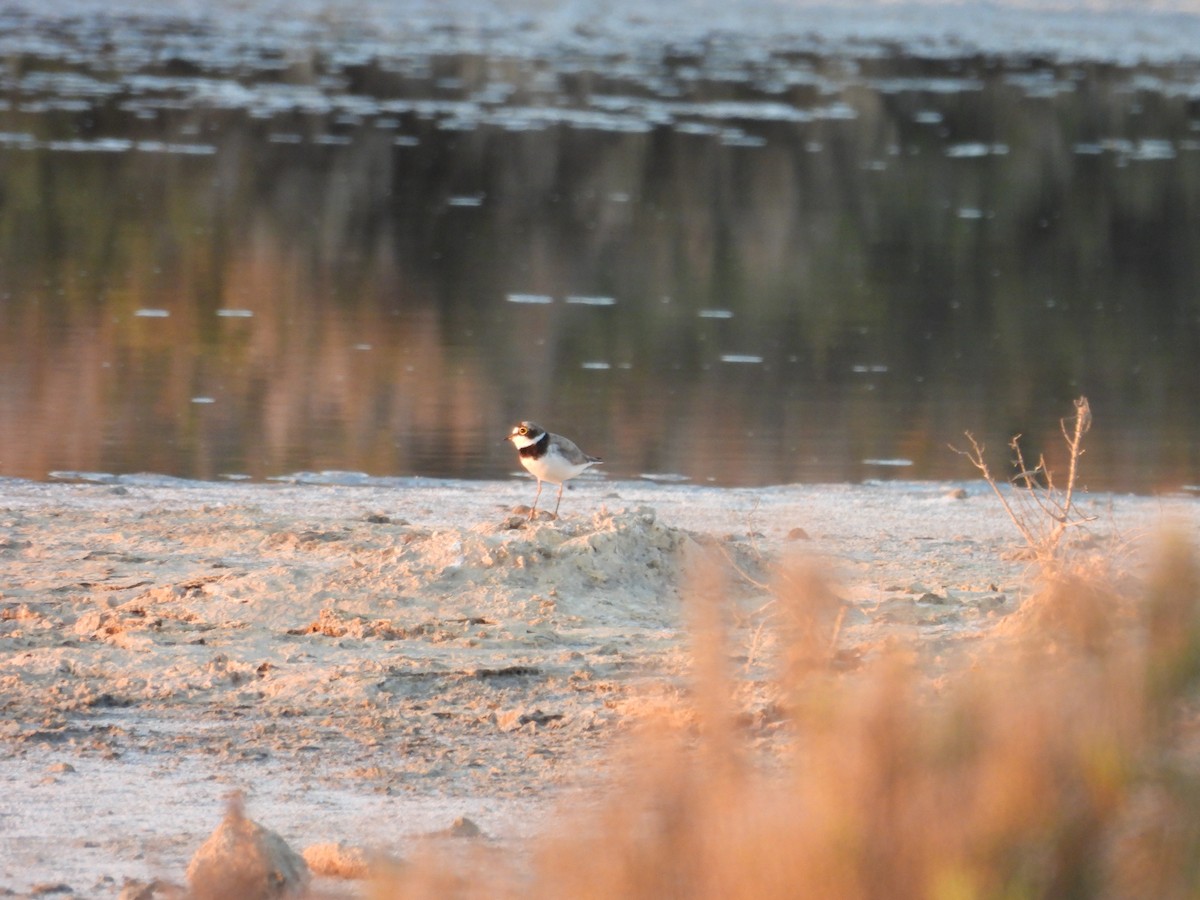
x=522, y=430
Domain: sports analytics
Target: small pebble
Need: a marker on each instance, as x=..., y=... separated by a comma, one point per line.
x=463, y=827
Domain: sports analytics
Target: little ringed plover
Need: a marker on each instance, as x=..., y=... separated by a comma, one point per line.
x=548, y=457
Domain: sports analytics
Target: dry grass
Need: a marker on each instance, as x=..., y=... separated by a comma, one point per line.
x=1046, y=768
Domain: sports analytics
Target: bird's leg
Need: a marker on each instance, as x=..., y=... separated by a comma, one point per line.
x=533, y=509
x=560, y=487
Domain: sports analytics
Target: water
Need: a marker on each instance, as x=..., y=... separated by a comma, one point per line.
x=251, y=245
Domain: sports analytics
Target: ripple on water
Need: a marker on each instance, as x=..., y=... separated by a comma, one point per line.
x=1151, y=150
x=100, y=145
x=973, y=150
x=732, y=137
x=667, y=477
x=180, y=149
x=18, y=140
x=22, y=141
x=88, y=477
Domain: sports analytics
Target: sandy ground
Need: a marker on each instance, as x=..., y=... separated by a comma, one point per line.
x=369, y=661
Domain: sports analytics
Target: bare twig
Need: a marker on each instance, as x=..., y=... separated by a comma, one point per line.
x=1056, y=506
x=1083, y=424
x=746, y=576
x=831, y=650
x=976, y=458
x=755, y=640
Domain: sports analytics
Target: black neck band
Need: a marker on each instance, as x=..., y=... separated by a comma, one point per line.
x=538, y=448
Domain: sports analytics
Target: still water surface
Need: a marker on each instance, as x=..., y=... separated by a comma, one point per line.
x=744, y=262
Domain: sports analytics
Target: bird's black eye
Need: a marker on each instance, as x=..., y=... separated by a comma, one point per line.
x=522, y=430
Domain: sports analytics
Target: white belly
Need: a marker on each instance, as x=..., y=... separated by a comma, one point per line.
x=553, y=468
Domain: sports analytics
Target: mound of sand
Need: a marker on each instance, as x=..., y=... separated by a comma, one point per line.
x=243, y=859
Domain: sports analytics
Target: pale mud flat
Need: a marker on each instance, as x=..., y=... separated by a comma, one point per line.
x=369, y=663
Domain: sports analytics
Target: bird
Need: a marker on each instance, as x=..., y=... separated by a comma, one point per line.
x=548, y=457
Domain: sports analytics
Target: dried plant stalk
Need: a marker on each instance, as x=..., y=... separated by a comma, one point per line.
x=1055, y=508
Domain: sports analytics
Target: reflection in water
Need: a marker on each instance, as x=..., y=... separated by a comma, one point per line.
x=757, y=269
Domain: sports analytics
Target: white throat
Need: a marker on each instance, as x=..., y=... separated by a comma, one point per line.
x=521, y=441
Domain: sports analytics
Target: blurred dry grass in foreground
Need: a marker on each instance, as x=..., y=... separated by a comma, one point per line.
x=1060, y=758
